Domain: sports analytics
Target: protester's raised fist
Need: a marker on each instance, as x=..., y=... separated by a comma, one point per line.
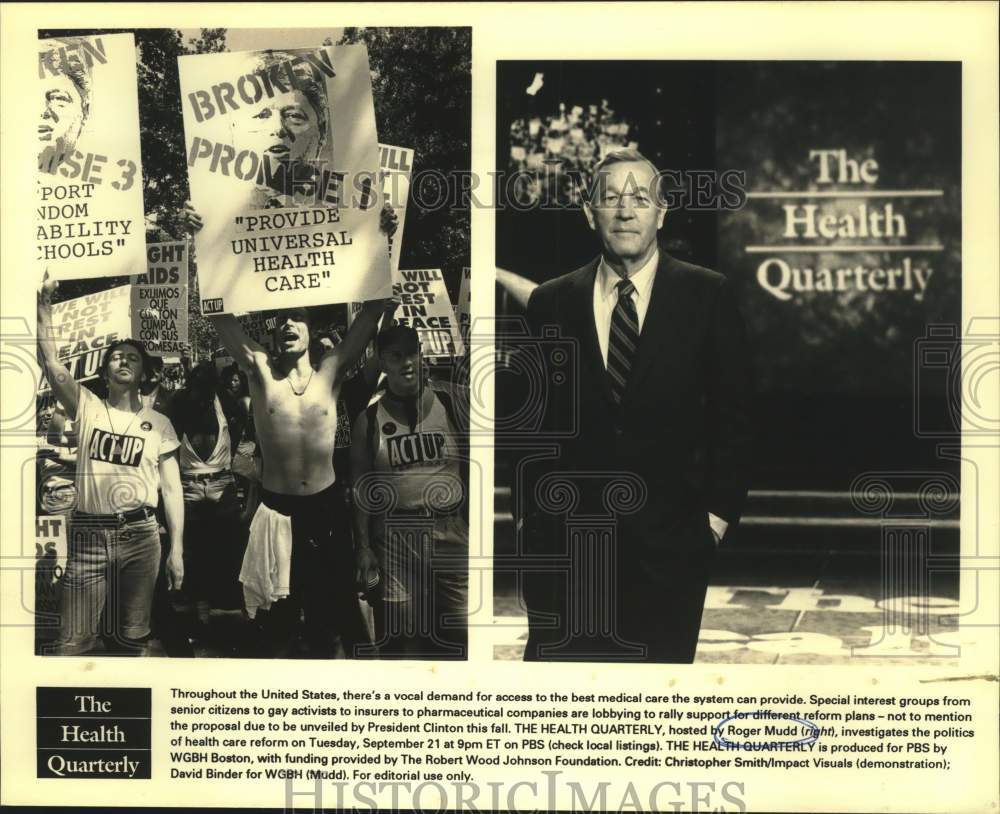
x=387, y=306
x=47, y=289
x=191, y=219
x=389, y=221
x=390, y=305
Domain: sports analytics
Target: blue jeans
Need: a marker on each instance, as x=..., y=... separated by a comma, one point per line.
x=110, y=575
x=424, y=593
x=214, y=540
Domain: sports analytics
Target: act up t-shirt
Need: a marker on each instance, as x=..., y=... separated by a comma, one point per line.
x=119, y=455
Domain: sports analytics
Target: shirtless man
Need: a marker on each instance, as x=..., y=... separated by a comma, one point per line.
x=302, y=505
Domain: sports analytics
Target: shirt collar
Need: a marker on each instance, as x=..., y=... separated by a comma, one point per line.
x=608, y=278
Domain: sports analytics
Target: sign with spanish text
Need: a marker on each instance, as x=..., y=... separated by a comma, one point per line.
x=160, y=299
x=50, y=562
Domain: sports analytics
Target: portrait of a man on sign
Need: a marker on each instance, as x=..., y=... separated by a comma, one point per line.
x=65, y=90
x=88, y=191
x=283, y=162
x=289, y=131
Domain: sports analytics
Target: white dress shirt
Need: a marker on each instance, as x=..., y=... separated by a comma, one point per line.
x=606, y=298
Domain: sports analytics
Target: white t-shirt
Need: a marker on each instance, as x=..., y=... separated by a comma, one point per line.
x=219, y=460
x=119, y=455
x=424, y=462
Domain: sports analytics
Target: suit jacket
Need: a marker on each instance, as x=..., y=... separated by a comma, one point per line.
x=682, y=431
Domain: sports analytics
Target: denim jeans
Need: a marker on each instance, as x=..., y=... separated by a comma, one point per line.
x=107, y=588
x=209, y=490
x=215, y=538
x=423, y=612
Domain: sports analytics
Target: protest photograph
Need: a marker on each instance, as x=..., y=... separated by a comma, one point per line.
x=252, y=422
x=296, y=516
x=89, y=188
x=724, y=437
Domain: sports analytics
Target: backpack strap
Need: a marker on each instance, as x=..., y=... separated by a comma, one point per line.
x=449, y=406
x=447, y=396
x=371, y=415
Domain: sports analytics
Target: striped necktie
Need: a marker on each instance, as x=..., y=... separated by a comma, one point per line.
x=623, y=339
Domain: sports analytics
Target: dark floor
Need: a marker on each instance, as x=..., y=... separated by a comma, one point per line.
x=810, y=608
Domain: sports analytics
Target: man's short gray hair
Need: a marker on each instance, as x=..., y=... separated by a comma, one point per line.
x=621, y=156
x=626, y=155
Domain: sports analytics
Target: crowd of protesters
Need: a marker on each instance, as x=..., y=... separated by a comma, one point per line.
x=159, y=474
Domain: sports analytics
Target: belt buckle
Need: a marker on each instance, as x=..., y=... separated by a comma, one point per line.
x=121, y=518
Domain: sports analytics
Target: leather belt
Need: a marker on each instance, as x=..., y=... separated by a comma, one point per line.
x=116, y=519
x=206, y=476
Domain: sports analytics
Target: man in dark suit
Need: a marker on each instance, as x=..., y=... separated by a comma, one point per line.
x=650, y=434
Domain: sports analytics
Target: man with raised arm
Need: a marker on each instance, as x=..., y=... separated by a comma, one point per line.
x=299, y=556
x=127, y=455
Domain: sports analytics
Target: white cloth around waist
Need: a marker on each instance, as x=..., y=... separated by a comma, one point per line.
x=265, y=574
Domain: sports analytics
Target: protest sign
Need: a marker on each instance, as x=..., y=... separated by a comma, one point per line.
x=50, y=562
x=88, y=187
x=464, y=306
x=397, y=165
x=258, y=326
x=160, y=299
x=425, y=306
x=283, y=164
x=83, y=327
x=222, y=360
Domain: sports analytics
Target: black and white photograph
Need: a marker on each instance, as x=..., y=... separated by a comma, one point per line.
x=500, y=406
x=251, y=445
x=728, y=297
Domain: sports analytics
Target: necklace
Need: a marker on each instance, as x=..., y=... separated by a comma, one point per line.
x=288, y=379
x=118, y=435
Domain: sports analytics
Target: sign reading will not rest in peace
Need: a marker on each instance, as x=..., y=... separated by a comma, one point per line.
x=426, y=307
